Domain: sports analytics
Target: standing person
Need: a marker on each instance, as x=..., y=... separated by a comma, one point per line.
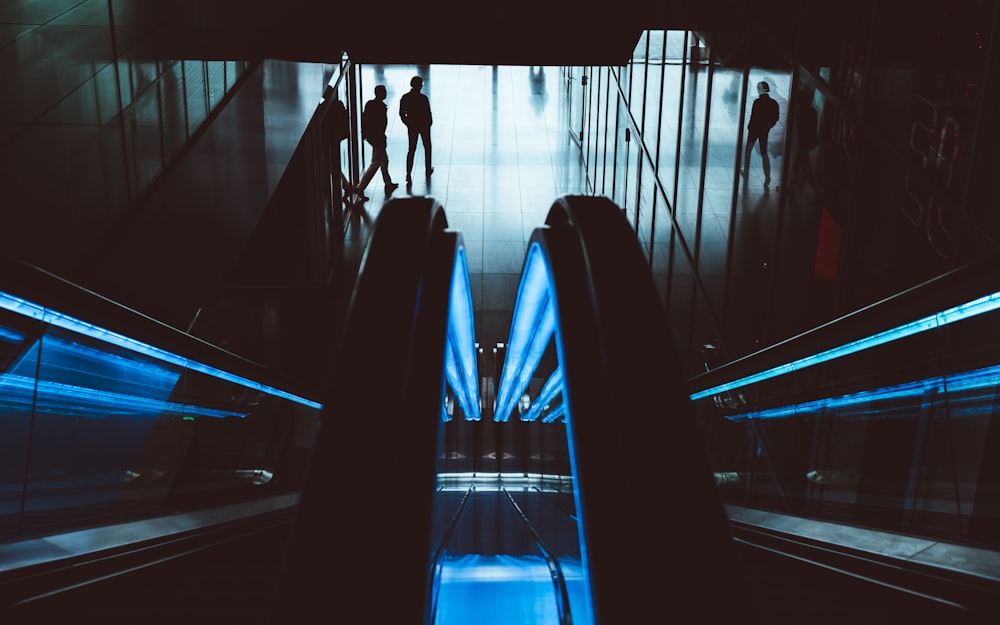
x=763, y=117
x=374, y=120
x=415, y=111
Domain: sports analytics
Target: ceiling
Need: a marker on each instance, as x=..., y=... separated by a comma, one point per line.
x=473, y=32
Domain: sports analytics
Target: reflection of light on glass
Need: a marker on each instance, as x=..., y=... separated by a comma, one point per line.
x=550, y=390
x=21, y=394
x=479, y=588
x=34, y=311
x=10, y=335
x=460, y=351
x=978, y=306
x=532, y=327
x=968, y=393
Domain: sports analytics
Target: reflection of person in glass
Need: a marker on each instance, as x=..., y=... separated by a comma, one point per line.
x=415, y=111
x=763, y=117
x=806, y=138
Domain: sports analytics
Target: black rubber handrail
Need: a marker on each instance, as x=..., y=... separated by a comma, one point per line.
x=632, y=429
x=21, y=279
x=555, y=570
x=364, y=516
x=951, y=289
x=434, y=577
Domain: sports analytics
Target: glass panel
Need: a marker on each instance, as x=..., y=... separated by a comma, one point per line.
x=175, y=132
x=194, y=93
x=215, y=75
x=17, y=335
x=99, y=428
x=876, y=438
x=94, y=411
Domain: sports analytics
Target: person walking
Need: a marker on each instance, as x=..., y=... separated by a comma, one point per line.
x=763, y=117
x=374, y=121
x=415, y=111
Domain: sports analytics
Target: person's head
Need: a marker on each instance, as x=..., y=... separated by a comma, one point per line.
x=380, y=92
x=417, y=82
x=762, y=88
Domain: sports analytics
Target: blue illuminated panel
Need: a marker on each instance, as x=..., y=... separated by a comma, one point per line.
x=503, y=589
x=970, y=309
x=95, y=425
x=532, y=328
x=971, y=393
x=59, y=320
x=460, y=353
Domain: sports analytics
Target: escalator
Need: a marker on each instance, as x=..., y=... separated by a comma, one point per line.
x=857, y=460
x=568, y=511
x=562, y=476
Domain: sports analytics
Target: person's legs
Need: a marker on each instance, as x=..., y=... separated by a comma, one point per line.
x=425, y=138
x=765, y=160
x=368, y=175
x=746, y=154
x=383, y=159
x=412, y=134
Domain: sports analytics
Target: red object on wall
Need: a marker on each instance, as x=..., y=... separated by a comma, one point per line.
x=827, y=247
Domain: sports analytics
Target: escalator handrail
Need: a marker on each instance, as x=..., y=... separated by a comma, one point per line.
x=371, y=512
x=954, y=288
x=627, y=401
x=437, y=560
x=40, y=287
x=555, y=570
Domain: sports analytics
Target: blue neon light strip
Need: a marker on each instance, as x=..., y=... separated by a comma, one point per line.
x=988, y=303
x=34, y=311
x=550, y=390
x=532, y=327
x=460, y=361
x=559, y=412
x=10, y=335
x=19, y=393
x=961, y=390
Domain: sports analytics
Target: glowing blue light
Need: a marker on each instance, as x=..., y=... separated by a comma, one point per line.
x=10, y=335
x=975, y=307
x=34, y=311
x=22, y=394
x=559, y=412
x=532, y=327
x=497, y=589
x=960, y=390
x=550, y=390
x=460, y=352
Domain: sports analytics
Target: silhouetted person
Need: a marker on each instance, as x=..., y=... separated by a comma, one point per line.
x=337, y=126
x=415, y=111
x=374, y=120
x=763, y=117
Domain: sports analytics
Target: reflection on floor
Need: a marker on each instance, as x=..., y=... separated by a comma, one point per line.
x=502, y=152
x=511, y=554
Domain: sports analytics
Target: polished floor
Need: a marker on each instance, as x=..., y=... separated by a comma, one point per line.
x=502, y=153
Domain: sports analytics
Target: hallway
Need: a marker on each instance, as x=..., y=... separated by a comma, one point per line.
x=502, y=153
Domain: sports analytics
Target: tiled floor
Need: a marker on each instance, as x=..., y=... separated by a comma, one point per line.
x=501, y=155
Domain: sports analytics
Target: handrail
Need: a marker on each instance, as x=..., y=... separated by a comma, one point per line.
x=434, y=577
x=53, y=293
x=586, y=270
x=879, y=322
x=558, y=579
x=386, y=390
